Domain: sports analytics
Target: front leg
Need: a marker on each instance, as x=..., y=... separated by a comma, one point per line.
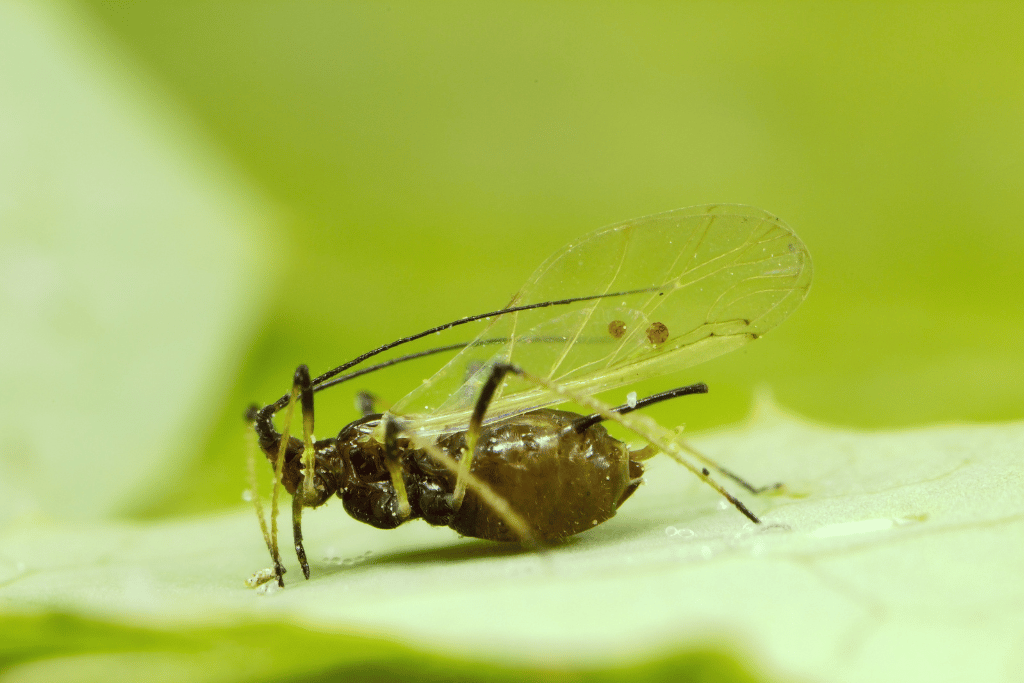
x=393, y=463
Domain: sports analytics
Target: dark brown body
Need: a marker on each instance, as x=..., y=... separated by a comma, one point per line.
x=560, y=481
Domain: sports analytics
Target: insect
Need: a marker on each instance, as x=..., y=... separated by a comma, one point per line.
x=479, y=448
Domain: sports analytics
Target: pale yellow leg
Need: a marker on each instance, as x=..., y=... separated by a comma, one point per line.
x=465, y=462
x=486, y=494
x=391, y=429
x=275, y=494
x=257, y=501
x=777, y=487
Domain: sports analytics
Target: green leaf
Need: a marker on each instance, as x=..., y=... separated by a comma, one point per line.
x=892, y=556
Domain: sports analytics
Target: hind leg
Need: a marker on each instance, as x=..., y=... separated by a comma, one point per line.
x=657, y=436
x=650, y=451
x=756, y=490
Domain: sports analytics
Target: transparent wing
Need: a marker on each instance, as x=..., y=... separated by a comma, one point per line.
x=685, y=285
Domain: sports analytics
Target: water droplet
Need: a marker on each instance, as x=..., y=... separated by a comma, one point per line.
x=631, y=399
x=247, y=495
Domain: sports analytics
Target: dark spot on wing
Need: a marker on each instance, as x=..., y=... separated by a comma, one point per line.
x=617, y=328
x=657, y=334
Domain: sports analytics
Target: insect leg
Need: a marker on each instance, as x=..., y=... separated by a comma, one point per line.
x=300, y=551
x=650, y=451
x=278, y=469
x=657, y=436
x=365, y=403
x=756, y=490
x=498, y=373
x=495, y=502
x=643, y=454
x=369, y=404
x=254, y=490
x=302, y=383
x=300, y=390
x=392, y=426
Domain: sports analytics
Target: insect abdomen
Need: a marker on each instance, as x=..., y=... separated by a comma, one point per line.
x=561, y=482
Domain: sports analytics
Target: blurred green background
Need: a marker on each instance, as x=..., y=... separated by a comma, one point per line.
x=427, y=156
x=424, y=158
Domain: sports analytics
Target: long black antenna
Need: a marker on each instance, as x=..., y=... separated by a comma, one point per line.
x=281, y=402
x=429, y=352
x=401, y=359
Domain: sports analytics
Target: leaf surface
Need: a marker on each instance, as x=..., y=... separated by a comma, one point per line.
x=893, y=556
